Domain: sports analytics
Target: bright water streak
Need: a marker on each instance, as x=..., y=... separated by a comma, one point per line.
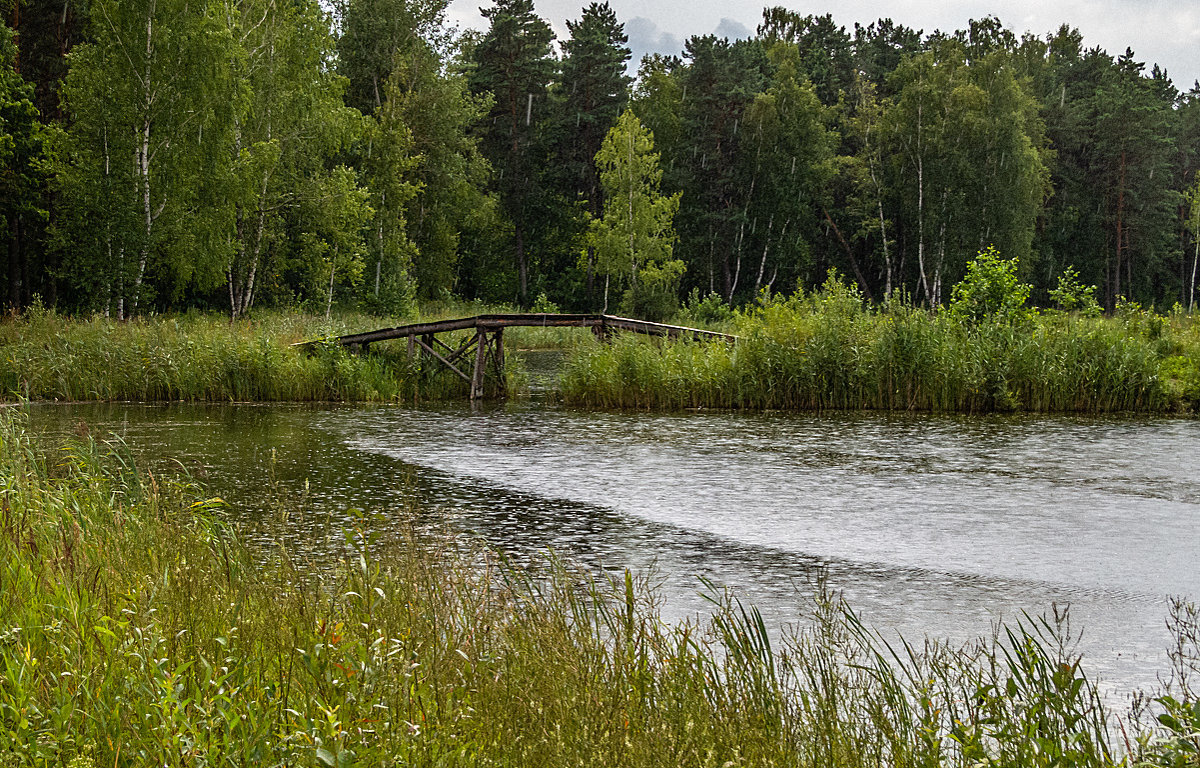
x=930, y=525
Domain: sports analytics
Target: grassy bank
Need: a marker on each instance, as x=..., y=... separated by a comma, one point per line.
x=136, y=630
x=205, y=357
x=827, y=350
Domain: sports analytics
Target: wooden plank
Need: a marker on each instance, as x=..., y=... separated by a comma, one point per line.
x=498, y=340
x=462, y=348
x=601, y=324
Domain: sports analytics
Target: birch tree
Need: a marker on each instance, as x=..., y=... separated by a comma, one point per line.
x=287, y=119
x=634, y=236
x=141, y=96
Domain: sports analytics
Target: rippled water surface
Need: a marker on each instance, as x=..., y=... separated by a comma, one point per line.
x=930, y=525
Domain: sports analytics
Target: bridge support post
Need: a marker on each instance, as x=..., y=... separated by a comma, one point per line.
x=489, y=346
x=498, y=359
x=481, y=342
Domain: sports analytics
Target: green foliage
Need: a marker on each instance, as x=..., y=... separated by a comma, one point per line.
x=448, y=173
x=1073, y=296
x=195, y=357
x=714, y=161
x=655, y=295
x=129, y=166
x=514, y=62
x=287, y=121
x=337, y=211
x=709, y=310
x=967, y=158
x=21, y=139
x=543, y=304
x=825, y=350
x=192, y=135
x=376, y=35
x=991, y=291
x=632, y=241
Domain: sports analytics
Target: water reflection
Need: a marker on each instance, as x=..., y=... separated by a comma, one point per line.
x=930, y=525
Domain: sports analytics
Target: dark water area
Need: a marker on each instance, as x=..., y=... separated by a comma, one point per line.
x=931, y=526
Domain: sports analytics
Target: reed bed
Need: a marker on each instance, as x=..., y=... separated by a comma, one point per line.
x=137, y=630
x=828, y=350
x=199, y=357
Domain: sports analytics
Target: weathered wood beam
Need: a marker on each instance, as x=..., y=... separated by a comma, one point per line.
x=447, y=363
x=602, y=325
x=481, y=343
x=498, y=340
x=462, y=348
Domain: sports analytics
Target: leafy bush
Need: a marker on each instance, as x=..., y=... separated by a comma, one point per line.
x=655, y=295
x=709, y=310
x=991, y=291
x=1073, y=296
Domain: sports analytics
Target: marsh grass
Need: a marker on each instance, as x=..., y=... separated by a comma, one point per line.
x=137, y=630
x=205, y=358
x=827, y=350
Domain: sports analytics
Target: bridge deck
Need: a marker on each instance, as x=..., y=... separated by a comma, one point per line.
x=488, y=344
x=603, y=323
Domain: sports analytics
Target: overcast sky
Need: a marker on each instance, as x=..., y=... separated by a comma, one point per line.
x=1166, y=32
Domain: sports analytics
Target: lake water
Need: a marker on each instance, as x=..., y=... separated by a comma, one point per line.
x=934, y=526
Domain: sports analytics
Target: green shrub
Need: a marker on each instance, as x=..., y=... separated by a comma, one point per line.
x=1073, y=296
x=827, y=350
x=990, y=291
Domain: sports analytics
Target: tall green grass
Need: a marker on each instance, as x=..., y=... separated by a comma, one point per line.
x=204, y=357
x=828, y=351
x=136, y=630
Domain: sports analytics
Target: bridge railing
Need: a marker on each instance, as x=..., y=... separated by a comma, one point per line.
x=602, y=323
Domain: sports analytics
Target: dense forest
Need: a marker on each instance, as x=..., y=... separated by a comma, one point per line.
x=160, y=155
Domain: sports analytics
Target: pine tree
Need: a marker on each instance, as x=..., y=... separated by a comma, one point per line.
x=718, y=85
x=591, y=94
x=514, y=62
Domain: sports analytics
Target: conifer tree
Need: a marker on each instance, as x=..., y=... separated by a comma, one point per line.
x=591, y=93
x=514, y=62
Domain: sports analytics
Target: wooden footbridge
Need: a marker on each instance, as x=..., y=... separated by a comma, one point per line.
x=487, y=339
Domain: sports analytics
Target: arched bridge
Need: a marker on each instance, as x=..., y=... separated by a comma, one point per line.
x=487, y=341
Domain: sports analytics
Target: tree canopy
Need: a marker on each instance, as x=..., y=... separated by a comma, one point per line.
x=163, y=154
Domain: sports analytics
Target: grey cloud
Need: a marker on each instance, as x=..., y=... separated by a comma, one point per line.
x=645, y=37
x=733, y=30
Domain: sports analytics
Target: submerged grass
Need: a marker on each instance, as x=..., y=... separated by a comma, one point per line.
x=827, y=351
x=137, y=630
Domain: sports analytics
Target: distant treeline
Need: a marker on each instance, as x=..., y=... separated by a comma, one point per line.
x=167, y=154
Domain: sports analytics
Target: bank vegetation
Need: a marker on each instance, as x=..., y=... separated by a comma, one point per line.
x=137, y=629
